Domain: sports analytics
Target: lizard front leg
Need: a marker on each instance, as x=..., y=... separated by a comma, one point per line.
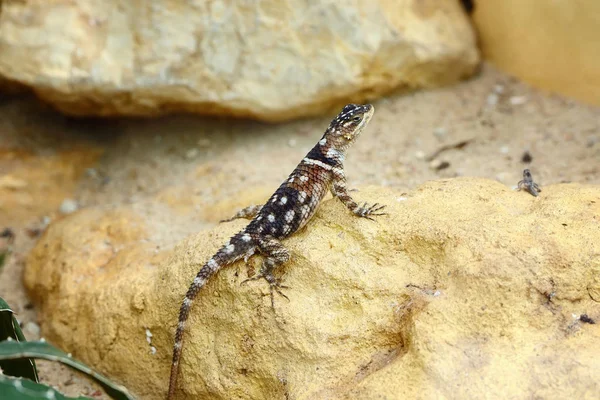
x=248, y=213
x=275, y=255
x=339, y=190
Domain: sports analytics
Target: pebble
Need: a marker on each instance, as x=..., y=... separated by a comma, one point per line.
x=46, y=221
x=191, y=153
x=517, y=100
x=420, y=154
x=443, y=165
x=32, y=329
x=504, y=149
x=438, y=164
x=148, y=336
x=68, y=206
x=92, y=173
x=292, y=142
x=440, y=132
x=492, y=99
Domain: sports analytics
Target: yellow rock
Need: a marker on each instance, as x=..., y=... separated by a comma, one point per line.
x=467, y=289
x=550, y=44
x=273, y=60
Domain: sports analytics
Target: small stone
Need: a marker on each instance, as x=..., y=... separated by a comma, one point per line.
x=92, y=173
x=443, y=165
x=191, y=153
x=526, y=157
x=152, y=350
x=499, y=89
x=504, y=149
x=492, y=99
x=45, y=221
x=68, y=206
x=440, y=132
x=420, y=155
x=517, y=100
x=292, y=142
x=438, y=164
x=434, y=164
x=32, y=329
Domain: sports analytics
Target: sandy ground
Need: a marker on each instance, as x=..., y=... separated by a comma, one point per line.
x=490, y=126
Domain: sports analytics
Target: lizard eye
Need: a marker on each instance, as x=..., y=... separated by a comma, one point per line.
x=357, y=118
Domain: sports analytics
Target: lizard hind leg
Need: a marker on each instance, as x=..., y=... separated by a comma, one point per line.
x=275, y=255
x=247, y=213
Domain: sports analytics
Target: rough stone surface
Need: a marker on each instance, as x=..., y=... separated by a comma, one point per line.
x=467, y=289
x=273, y=61
x=550, y=44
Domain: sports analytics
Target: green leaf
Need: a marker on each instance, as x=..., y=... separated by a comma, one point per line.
x=9, y=328
x=3, y=257
x=24, y=389
x=10, y=350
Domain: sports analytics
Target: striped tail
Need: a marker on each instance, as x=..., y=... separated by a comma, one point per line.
x=231, y=252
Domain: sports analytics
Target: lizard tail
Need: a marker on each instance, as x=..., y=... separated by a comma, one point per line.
x=232, y=251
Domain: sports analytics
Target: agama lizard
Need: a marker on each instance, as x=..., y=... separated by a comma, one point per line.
x=285, y=212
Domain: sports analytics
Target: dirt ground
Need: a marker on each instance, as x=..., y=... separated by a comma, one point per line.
x=489, y=126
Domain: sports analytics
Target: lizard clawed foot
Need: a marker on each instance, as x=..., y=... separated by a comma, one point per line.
x=368, y=212
x=274, y=284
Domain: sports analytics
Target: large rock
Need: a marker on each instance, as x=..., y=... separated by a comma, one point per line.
x=467, y=289
x=274, y=60
x=550, y=44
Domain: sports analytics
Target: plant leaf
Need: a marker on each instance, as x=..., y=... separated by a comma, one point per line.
x=24, y=389
x=10, y=350
x=3, y=257
x=9, y=328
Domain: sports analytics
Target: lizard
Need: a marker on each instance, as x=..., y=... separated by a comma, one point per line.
x=285, y=212
x=528, y=184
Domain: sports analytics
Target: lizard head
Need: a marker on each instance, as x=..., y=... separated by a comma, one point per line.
x=347, y=126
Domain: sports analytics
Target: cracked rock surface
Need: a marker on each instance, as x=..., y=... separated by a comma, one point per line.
x=467, y=289
x=273, y=61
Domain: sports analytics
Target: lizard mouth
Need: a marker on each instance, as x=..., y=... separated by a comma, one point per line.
x=368, y=114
